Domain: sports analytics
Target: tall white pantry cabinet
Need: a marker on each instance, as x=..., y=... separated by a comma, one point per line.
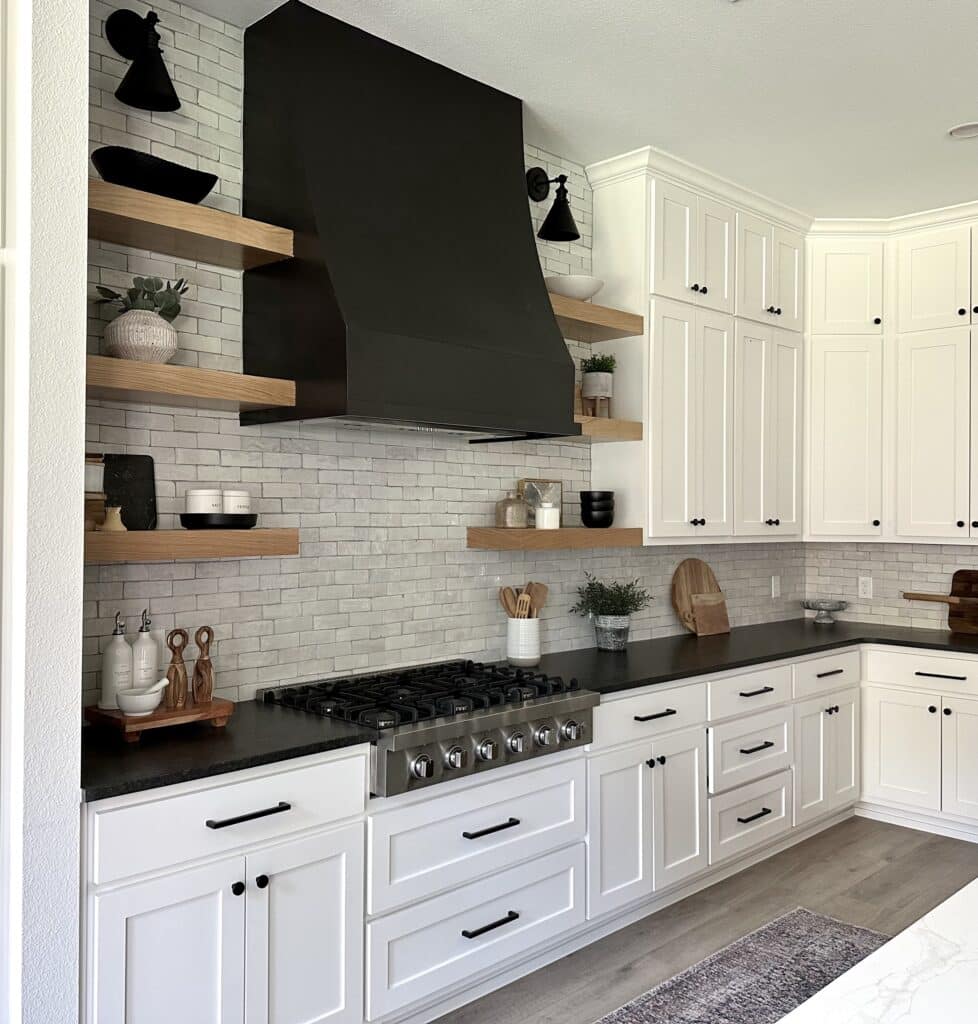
x=717, y=380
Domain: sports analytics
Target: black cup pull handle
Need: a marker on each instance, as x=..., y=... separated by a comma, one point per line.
x=762, y=813
x=476, y=932
x=512, y=823
x=767, y=744
x=757, y=693
x=264, y=813
x=661, y=714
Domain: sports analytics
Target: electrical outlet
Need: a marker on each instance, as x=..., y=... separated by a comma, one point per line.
x=775, y=586
x=865, y=587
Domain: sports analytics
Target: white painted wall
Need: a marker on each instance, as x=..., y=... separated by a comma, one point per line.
x=46, y=77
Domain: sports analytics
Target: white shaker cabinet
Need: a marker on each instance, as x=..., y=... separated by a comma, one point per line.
x=770, y=272
x=788, y=249
x=846, y=496
x=959, y=757
x=847, y=286
x=933, y=434
x=767, y=429
x=934, y=280
x=827, y=749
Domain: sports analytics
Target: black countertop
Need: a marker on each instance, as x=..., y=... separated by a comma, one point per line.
x=259, y=734
x=256, y=734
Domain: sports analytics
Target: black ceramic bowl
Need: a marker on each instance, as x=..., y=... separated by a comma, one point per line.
x=598, y=506
x=591, y=496
x=597, y=520
x=217, y=521
x=121, y=166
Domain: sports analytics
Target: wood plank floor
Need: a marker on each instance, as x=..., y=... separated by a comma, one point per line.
x=867, y=873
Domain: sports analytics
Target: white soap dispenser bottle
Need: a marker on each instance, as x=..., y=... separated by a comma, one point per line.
x=145, y=655
x=116, y=665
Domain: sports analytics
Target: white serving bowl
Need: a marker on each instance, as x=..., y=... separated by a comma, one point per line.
x=574, y=286
x=138, y=703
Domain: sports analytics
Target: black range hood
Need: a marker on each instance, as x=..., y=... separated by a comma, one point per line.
x=415, y=296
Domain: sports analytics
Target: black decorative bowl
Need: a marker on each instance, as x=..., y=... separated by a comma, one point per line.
x=598, y=506
x=590, y=497
x=121, y=166
x=217, y=521
x=597, y=520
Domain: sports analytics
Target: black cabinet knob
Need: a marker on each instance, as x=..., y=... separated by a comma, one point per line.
x=651, y=762
x=932, y=710
x=877, y=320
x=876, y=522
x=828, y=711
x=661, y=759
x=962, y=311
x=262, y=881
x=961, y=522
x=771, y=309
x=777, y=522
x=974, y=524
x=238, y=888
x=696, y=287
x=703, y=290
x=974, y=309
x=947, y=711
x=769, y=522
x=777, y=312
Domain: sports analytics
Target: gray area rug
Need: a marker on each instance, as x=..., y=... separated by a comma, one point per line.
x=757, y=979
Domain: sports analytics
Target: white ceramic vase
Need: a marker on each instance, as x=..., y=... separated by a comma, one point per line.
x=597, y=385
x=142, y=335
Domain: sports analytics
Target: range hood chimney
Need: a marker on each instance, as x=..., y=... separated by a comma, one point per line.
x=415, y=296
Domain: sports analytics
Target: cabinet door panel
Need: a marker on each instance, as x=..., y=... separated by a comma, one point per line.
x=788, y=275
x=783, y=439
x=305, y=931
x=673, y=416
x=934, y=280
x=713, y=457
x=811, y=782
x=619, y=854
x=189, y=923
x=845, y=748
x=902, y=747
x=755, y=270
x=716, y=227
x=674, y=258
x=847, y=436
x=680, y=819
x=751, y=410
x=960, y=757
x=933, y=472
x=847, y=286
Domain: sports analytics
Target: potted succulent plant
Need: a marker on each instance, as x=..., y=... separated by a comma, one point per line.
x=597, y=376
x=144, y=328
x=610, y=606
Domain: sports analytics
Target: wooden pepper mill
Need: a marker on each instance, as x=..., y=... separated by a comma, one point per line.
x=175, y=695
x=204, y=669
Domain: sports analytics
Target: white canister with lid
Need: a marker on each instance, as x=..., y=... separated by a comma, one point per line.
x=202, y=502
x=547, y=516
x=236, y=503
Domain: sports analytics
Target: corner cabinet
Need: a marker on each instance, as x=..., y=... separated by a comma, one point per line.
x=847, y=286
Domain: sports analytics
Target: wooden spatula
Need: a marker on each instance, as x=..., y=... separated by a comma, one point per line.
x=523, y=606
x=538, y=597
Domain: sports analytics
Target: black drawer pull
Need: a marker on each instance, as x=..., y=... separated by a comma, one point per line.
x=225, y=822
x=754, y=750
x=476, y=932
x=938, y=675
x=762, y=813
x=661, y=714
x=757, y=693
x=512, y=823
x=834, y=672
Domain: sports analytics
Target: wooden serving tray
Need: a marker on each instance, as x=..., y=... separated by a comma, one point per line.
x=962, y=602
x=217, y=713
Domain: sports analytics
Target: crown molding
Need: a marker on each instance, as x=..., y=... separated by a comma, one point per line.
x=946, y=216
x=653, y=162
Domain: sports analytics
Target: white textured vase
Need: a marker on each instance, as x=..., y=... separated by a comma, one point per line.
x=597, y=385
x=143, y=335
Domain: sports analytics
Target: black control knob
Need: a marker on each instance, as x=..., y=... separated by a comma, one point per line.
x=422, y=767
x=262, y=881
x=238, y=888
x=877, y=320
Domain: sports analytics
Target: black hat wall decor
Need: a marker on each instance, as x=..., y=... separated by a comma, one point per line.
x=147, y=84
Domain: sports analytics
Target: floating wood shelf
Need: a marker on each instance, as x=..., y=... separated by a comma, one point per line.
x=488, y=538
x=600, y=428
x=584, y=321
x=127, y=216
x=126, y=380
x=167, y=545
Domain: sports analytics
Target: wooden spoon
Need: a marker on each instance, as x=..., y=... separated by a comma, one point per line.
x=538, y=596
x=507, y=598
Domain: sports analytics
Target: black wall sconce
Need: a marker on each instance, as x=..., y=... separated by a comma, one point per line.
x=147, y=84
x=558, y=225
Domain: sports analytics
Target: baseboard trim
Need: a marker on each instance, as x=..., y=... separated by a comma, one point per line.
x=497, y=977
x=921, y=822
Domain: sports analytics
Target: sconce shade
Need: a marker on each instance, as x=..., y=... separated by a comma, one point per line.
x=559, y=225
x=147, y=84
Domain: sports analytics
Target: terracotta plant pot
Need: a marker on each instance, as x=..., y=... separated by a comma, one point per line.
x=142, y=335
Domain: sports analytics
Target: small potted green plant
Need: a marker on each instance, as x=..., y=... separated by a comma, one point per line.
x=144, y=328
x=597, y=376
x=610, y=606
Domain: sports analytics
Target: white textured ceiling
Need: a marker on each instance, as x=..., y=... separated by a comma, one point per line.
x=836, y=107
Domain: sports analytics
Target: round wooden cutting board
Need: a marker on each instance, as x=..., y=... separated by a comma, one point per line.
x=692, y=576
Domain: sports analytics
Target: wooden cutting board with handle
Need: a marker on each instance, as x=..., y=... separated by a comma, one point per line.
x=962, y=602
x=693, y=577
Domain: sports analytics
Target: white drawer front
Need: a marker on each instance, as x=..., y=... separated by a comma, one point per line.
x=418, y=951
x=651, y=714
x=428, y=847
x=833, y=672
x=923, y=670
x=749, y=748
x=753, y=691
x=163, y=832
x=749, y=817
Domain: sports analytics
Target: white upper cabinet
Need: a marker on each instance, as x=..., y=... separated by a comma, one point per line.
x=846, y=494
x=934, y=285
x=933, y=427
x=770, y=273
x=847, y=287
x=788, y=250
x=693, y=248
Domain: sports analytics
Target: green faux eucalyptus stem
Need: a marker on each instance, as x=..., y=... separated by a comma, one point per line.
x=147, y=293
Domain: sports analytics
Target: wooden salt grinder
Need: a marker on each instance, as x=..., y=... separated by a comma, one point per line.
x=175, y=695
x=204, y=669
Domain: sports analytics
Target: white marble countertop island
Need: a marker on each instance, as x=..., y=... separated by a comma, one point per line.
x=927, y=974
